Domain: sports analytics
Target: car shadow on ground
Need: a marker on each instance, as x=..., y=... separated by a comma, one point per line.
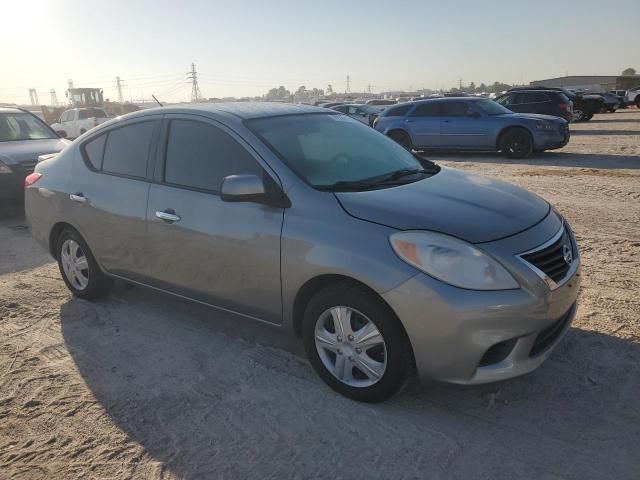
x=14, y=234
x=551, y=159
x=206, y=392
x=605, y=132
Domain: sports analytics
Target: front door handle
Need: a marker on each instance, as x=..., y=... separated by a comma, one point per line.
x=169, y=216
x=78, y=197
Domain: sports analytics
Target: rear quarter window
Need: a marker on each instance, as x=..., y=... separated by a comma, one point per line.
x=400, y=111
x=93, y=151
x=127, y=149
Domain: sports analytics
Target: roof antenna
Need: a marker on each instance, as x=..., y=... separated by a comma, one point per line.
x=157, y=101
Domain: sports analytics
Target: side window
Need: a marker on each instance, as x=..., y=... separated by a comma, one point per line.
x=82, y=114
x=127, y=149
x=539, y=97
x=94, y=151
x=519, y=98
x=504, y=100
x=353, y=111
x=427, y=109
x=201, y=155
x=340, y=108
x=454, y=109
x=64, y=117
x=400, y=111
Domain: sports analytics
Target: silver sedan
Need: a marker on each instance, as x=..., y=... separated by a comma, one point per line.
x=382, y=262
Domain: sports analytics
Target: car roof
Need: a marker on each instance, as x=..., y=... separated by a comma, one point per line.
x=249, y=110
x=11, y=110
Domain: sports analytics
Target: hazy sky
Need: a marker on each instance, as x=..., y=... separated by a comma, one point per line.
x=246, y=47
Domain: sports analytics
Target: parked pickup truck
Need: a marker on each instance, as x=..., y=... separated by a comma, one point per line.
x=75, y=122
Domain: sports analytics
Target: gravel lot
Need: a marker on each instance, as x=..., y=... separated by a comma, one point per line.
x=140, y=385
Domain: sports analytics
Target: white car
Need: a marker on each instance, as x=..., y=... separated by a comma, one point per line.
x=75, y=122
x=633, y=97
x=362, y=112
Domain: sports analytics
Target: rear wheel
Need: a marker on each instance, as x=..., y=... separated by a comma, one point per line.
x=356, y=344
x=578, y=114
x=516, y=143
x=587, y=117
x=401, y=138
x=78, y=267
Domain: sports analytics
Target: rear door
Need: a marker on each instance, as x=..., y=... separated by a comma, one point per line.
x=423, y=123
x=462, y=126
x=109, y=187
x=223, y=253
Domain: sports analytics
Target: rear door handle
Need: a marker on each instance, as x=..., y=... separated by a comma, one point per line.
x=169, y=216
x=78, y=197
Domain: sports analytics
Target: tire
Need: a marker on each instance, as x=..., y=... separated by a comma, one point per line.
x=587, y=117
x=389, y=354
x=578, y=115
x=638, y=101
x=402, y=138
x=516, y=143
x=78, y=267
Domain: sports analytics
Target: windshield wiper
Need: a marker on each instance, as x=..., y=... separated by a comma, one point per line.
x=386, y=179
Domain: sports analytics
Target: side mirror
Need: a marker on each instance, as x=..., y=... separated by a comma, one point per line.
x=61, y=133
x=242, y=188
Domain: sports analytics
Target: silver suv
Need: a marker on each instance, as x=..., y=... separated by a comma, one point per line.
x=381, y=261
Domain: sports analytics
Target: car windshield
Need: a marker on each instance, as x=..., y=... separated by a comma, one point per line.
x=23, y=126
x=330, y=149
x=491, y=108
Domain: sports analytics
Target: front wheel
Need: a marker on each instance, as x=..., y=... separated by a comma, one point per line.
x=516, y=143
x=356, y=344
x=402, y=138
x=78, y=267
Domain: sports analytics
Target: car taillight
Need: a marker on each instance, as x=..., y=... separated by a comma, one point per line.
x=564, y=106
x=31, y=179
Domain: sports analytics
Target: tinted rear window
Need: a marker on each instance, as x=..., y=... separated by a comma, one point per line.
x=127, y=149
x=200, y=156
x=400, y=111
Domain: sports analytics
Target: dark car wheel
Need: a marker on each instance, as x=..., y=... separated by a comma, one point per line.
x=587, y=117
x=402, y=138
x=516, y=143
x=78, y=267
x=356, y=343
x=578, y=115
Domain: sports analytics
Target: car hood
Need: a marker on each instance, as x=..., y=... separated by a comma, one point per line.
x=537, y=116
x=12, y=153
x=471, y=207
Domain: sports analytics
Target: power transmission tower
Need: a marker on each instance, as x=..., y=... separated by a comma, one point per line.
x=33, y=96
x=369, y=88
x=54, y=98
x=460, y=84
x=195, y=90
x=348, y=89
x=119, y=86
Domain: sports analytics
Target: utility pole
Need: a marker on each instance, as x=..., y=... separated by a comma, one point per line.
x=54, y=98
x=460, y=84
x=119, y=85
x=195, y=90
x=369, y=88
x=348, y=89
x=33, y=96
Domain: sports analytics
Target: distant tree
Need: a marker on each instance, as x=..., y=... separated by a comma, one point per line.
x=482, y=87
x=629, y=71
x=279, y=93
x=329, y=89
x=472, y=87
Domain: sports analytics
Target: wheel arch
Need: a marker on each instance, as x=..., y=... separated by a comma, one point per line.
x=508, y=128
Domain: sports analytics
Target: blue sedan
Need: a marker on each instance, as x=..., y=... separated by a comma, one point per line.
x=469, y=123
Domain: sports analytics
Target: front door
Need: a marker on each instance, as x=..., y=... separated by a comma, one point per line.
x=462, y=126
x=223, y=253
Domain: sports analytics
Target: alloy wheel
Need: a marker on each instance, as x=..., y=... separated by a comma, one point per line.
x=75, y=264
x=350, y=346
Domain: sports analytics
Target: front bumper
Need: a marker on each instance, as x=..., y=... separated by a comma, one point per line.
x=454, y=332
x=552, y=140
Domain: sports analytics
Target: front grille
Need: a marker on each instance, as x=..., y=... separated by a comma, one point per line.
x=497, y=353
x=551, y=259
x=548, y=336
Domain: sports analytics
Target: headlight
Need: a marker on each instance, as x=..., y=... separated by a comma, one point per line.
x=544, y=126
x=452, y=261
x=4, y=168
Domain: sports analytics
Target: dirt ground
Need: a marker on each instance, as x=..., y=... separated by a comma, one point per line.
x=140, y=385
